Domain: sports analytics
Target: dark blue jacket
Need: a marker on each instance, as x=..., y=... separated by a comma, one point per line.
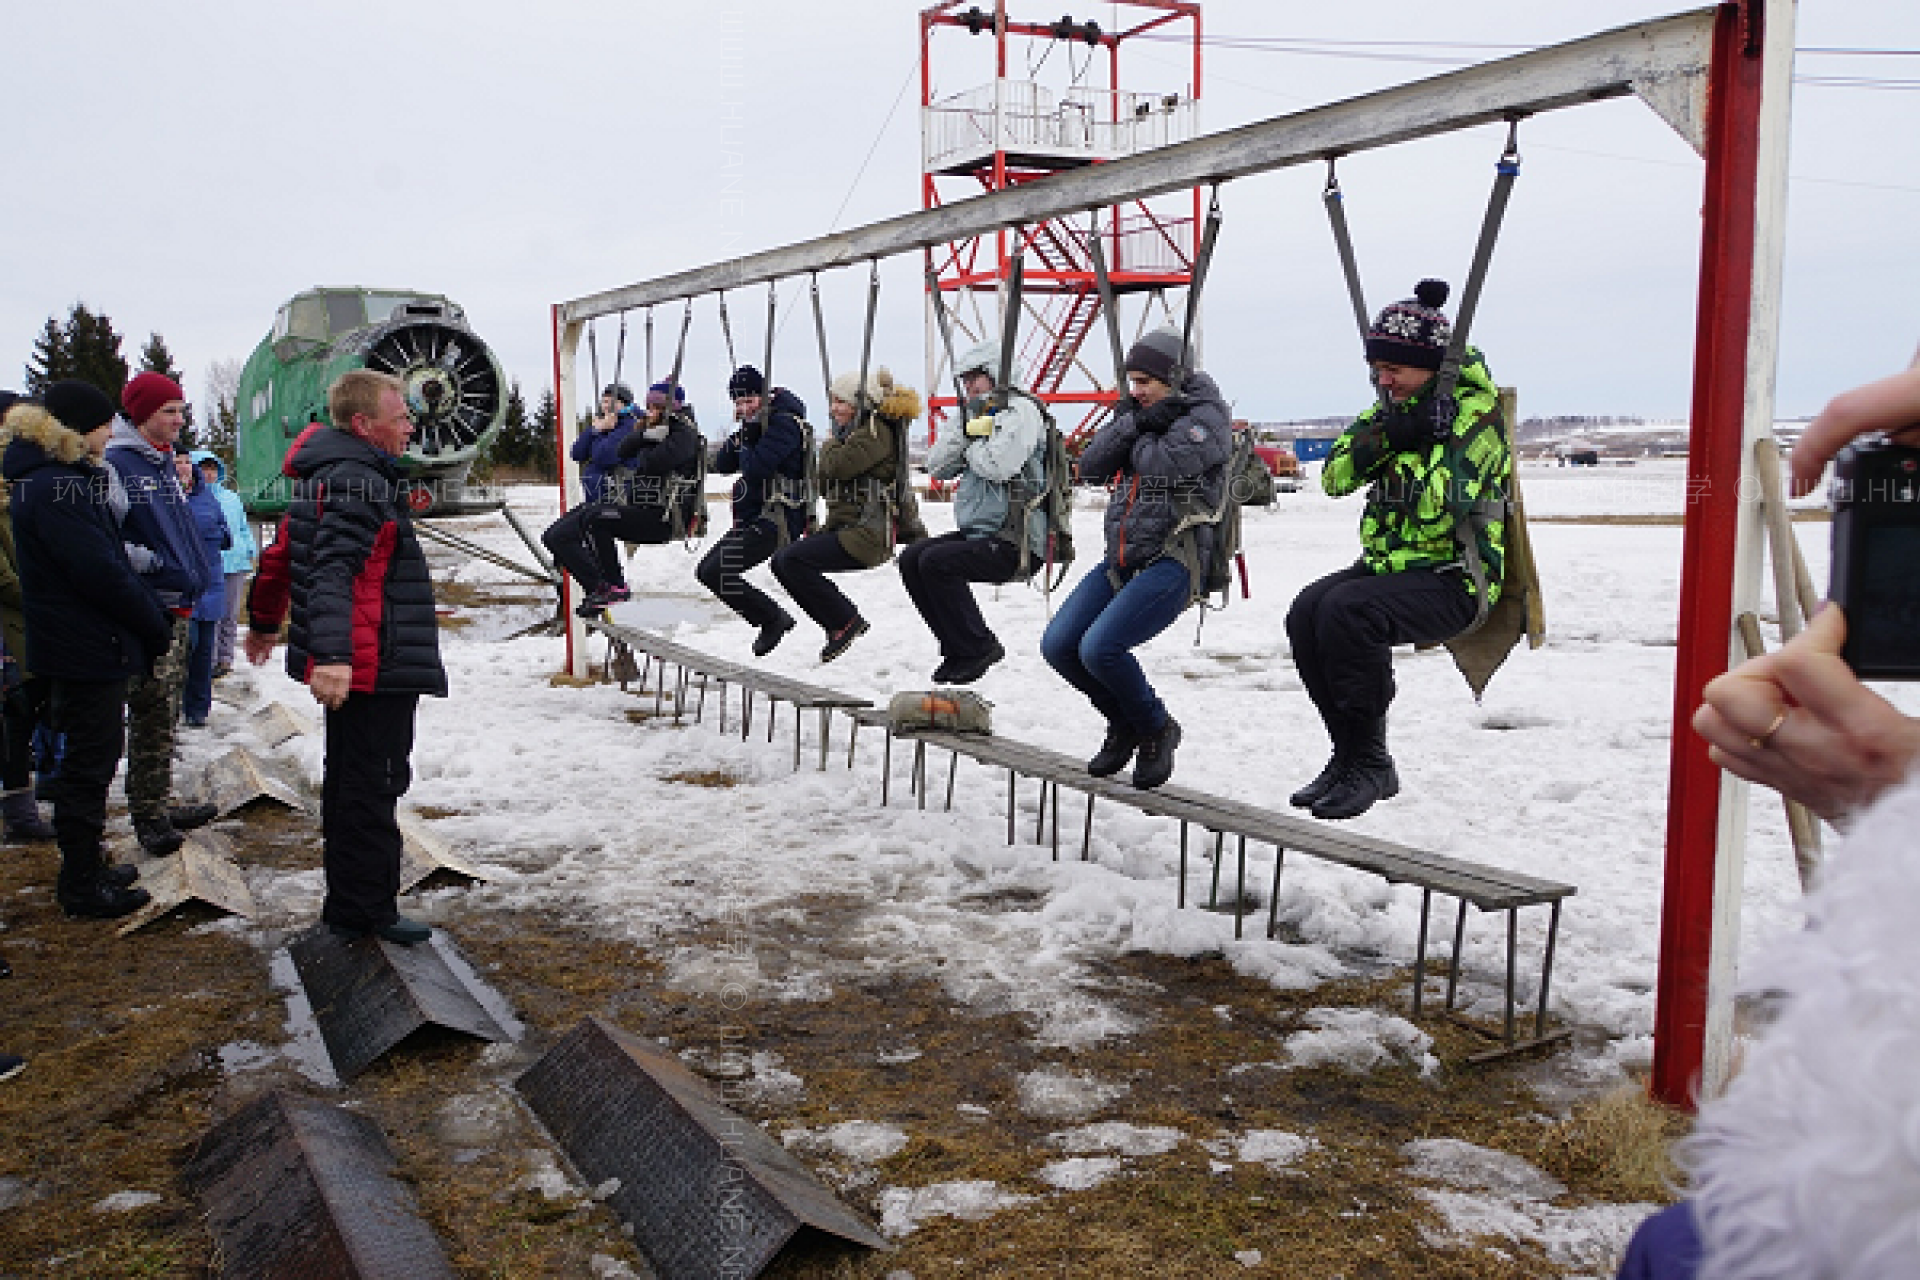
x=1664, y=1247
x=767, y=461
x=210, y=524
x=598, y=452
x=89, y=616
x=157, y=518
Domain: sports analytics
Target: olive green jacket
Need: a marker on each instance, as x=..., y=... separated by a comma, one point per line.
x=857, y=468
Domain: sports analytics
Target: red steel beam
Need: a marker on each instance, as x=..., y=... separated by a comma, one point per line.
x=1727, y=257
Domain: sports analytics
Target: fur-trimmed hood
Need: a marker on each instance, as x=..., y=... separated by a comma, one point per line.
x=29, y=422
x=986, y=355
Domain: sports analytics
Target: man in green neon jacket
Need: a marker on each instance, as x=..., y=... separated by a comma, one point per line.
x=1438, y=467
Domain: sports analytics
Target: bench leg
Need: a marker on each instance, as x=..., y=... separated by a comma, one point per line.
x=1273, y=904
x=1012, y=779
x=796, y=734
x=1513, y=958
x=920, y=772
x=1240, y=892
x=886, y=762
x=773, y=708
x=853, y=736
x=953, y=771
x=679, y=695
x=1453, y=962
x=1546, y=972
x=659, y=686
x=826, y=733
x=1086, y=836
x=1219, y=847
x=1420, y=952
x=1056, y=822
x=1181, y=902
x=645, y=668
x=1040, y=814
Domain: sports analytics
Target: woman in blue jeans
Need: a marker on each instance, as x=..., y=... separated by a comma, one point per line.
x=1165, y=451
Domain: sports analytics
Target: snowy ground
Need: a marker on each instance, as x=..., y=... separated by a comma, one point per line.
x=1561, y=773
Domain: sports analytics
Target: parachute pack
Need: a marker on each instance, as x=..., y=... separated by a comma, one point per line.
x=1053, y=501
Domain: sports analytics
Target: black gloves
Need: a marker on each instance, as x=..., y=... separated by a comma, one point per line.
x=1158, y=416
x=1416, y=425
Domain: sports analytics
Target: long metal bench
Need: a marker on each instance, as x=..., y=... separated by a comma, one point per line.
x=1486, y=888
x=691, y=665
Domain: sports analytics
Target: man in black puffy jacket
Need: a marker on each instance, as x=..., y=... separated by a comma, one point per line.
x=363, y=638
x=92, y=624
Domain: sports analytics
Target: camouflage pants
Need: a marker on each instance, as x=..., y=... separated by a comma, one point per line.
x=153, y=702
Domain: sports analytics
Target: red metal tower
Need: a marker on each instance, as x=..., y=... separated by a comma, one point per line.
x=1017, y=128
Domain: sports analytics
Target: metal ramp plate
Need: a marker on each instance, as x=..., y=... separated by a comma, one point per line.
x=369, y=996
x=295, y=1189
x=239, y=779
x=706, y=1192
x=277, y=723
x=425, y=860
x=203, y=871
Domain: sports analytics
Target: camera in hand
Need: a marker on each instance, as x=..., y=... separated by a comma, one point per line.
x=1876, y=557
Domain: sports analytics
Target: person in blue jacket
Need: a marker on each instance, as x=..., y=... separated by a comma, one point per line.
x=210, y=523
x=597, y=447
x=91, y=622
x=236, y=562
x=164, y=547
x=770, y=507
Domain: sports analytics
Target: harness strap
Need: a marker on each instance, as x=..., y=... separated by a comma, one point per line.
x=820, y=337
x=620, y=348
x=726, y=329
x=1336, y=206
x=946, y=340
x=649, y=346
x=1203, y=260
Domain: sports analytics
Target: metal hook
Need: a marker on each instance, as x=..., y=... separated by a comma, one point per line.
x=1333, y=179
x=1511, y=155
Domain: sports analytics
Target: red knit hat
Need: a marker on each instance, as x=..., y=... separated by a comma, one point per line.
x=146, y=393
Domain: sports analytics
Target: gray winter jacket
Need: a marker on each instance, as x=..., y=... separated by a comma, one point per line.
x=988, y=467
x=1158, y=477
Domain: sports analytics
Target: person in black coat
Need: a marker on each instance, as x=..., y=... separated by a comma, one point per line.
x=770, y=505
x=363, y=638
x=92, y=624
x=651, y=480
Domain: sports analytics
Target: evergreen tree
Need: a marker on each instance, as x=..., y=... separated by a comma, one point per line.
x=95, y=348
x=52, y=359
x=546, y=457
x=85, y=349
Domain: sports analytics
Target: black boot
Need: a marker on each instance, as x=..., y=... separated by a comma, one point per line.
x=1309, y=795
x=1114, y=751
x=772, y=634
x=84, y=888
x=157, y=836
x=185, y=817
x=1368, y=778
x=1155, y=764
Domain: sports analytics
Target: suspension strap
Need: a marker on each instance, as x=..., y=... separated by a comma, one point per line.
x=1010, y=322
x=620, y=348
x=593, y=362
x=820, y=335
x=679, y=355
x=1104, y=284
x=1203, y=260
x=1336, y=205
x=1506, y=170
x=946, y=339
x=861, y=403
x=1470, y=517
x=766, y=371
x=649, y=346
x=726, y=328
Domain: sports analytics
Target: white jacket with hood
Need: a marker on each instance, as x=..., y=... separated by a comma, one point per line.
x=987, y=468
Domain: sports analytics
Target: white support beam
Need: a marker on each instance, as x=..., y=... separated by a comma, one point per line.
x=1668, y=52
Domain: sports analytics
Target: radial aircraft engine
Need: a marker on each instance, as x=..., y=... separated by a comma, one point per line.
x=454, y=386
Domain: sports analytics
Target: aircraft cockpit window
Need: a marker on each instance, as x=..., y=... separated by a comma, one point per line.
x=382, y=307
x=344, y=313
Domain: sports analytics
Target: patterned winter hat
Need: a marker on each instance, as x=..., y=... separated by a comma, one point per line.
x=1412, y=331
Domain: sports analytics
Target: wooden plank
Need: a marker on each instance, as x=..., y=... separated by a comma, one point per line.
x=1640, y=58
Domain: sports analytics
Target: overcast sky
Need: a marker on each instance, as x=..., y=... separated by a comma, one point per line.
x=186, y=167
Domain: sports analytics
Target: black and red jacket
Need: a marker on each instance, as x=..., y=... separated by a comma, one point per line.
x=348, y=563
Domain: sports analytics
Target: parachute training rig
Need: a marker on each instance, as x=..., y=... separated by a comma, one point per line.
x=454, y=386
x=455, y=389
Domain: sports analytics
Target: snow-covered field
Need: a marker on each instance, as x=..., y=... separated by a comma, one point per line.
x=1561, y=772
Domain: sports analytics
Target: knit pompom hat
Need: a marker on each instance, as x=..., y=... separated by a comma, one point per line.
x=1412, y=331
x=845, y=388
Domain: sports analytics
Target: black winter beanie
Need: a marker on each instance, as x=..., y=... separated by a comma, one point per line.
x=1156, y=354
x=80, y=406
x=1412, y=331
x=746, y=381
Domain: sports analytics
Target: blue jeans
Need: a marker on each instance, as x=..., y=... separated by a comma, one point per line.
x=1090, y=641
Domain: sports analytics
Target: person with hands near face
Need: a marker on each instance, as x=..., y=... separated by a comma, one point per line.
x=994, y=460
x=1166, y=451
x=1423, y=458
x=363, y=637
x=769, y=509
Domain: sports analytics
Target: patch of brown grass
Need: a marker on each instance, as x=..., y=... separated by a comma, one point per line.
x=1618, y=1146
x=717, y=778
